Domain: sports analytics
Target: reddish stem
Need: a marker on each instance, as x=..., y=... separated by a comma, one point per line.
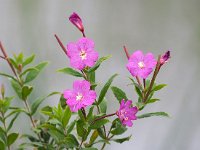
x=126, y=52
x=61, y=44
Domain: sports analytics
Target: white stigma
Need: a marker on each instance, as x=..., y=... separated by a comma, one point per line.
x=83, y=54
x=141, y=64
x=79, y=97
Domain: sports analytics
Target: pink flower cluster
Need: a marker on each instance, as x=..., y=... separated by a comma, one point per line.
x=127, y=113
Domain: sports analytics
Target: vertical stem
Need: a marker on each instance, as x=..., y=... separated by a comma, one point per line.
x=157, y=69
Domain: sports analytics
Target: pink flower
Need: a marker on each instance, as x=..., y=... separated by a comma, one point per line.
x=164, y=58
x=82, y=53
x=141, y=65
x=81, y=95
x=76, y=20
x=126, y=113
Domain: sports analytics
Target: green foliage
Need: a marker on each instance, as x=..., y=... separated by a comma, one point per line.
x=163, y=114
x=98, y=63
x=119, y=93
x=70, y=71
x=105, y=88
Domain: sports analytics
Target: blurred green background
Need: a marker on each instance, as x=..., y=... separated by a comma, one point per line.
x=150, y=25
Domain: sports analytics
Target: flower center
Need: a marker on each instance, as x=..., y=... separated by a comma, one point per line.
x=83, y=54
x=141, y=65
x=79, y=97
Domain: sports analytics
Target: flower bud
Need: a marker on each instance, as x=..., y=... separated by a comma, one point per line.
x=76, y=20
x=164, y=58
x=2, y=90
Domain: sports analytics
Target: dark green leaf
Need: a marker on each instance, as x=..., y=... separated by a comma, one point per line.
x=71, y=127
x=152, y=100
x=2, y=145
x=159, y=87
x=80, y=128
x=105, y=88
x=12, y=121
x=66, y=116
x=122, y=139
x=118, y=128
x=99, y=123
x=98, y=63
x=119, y=94
x=164, y=114
x=12, y=138
x=38, y=101
x=26, y=91
x=103, y=106
x=70, y=71
x=28, y=60
x=34, y=73
x=71, y=141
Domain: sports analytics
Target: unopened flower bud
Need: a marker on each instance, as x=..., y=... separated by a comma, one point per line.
x=164, y=58
x=76, y=20
x=2, y=90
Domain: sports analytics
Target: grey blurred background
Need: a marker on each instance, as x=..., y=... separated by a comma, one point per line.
x=157, y=25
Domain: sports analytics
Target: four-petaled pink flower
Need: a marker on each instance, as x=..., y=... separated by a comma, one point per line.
x=81, y=95
x=82, y=53
x=127, y=113
x=164, y=58
x=141, y=65
x=76, y=20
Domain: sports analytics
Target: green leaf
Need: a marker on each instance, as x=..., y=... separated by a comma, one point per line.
x=98, y=63
x=2, y=145
x=19, y=58
x=28, y=70
x=66, y=116
x=8, y=76
x=103, y=106
x=70, y=71
x=89, y=148
x=14, y=63
x=28, y=60
x=80, y=128
x=105, y=89
x=135, y=84
x=119, y=94
x=70, y=127
x=122, y=140
x=26, y=91
x=90, y=114
x=17, y=88
x=12, y=138
x=99, y=123
x=101, y=133
x=152, y=100
x=38, y=101
x=12, y=121
x=118, y=128
x=159, y=87
x=163, y=114
x=34, y=73
x=71, y=141
x=93, y=137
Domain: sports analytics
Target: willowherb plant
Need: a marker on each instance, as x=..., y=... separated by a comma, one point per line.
x=90, y=125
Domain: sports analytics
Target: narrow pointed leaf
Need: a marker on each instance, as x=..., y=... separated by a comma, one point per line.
x=162, y=114
x=70, y=71
x=105, y=88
